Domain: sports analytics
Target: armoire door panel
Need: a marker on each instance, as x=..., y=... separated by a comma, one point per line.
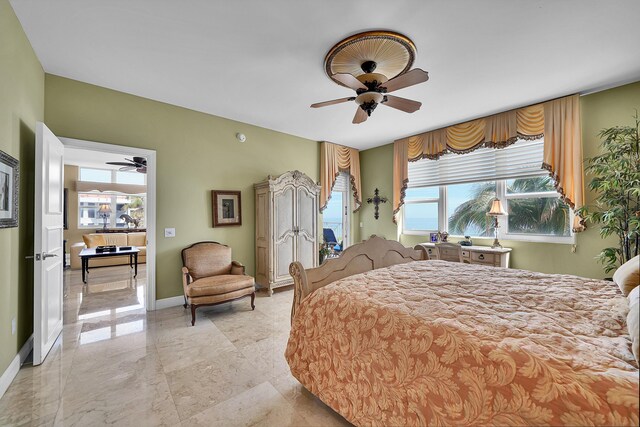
x=284, y=256
x=306, y=211
x=284, y=213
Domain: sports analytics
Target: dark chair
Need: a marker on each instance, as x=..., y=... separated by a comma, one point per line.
x=330, y=239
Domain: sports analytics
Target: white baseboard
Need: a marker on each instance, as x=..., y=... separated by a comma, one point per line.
x=13, y=368
x=169, y=302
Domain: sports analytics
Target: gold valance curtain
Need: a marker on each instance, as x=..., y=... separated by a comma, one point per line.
x=557, y=120
x=333, y=160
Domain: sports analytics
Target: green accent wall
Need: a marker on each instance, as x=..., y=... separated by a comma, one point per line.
x=599, y=110
x=196, y=153
x=21, y=105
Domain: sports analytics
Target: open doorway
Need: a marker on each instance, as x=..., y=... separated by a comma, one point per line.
x=107, y=205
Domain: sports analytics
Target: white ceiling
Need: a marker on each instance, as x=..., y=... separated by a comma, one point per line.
x=260, y=62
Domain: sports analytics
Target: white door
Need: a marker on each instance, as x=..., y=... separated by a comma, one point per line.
x=48, y=261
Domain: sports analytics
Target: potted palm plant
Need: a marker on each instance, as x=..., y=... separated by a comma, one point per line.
x=616, y=181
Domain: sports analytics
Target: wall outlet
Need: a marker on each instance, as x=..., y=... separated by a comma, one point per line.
x=169, y=232
x=14, y=326
x=573, y=248
x=361, y=225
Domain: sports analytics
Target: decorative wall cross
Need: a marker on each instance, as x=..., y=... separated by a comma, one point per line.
x=376, y=200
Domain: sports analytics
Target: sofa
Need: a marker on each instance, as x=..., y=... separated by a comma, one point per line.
x=138, y=240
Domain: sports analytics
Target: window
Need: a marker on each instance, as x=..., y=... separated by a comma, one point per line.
x=454, y=194
x=467, y=208
x=336, y=216
x=422, y=209
x=89, y=203
x=95, y=175
x=535, y=208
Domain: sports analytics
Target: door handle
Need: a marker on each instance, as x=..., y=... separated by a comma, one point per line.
x=36, y=257
x=46, y=255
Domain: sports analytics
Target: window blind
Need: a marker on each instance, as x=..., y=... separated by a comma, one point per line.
x=342, y=182
x=522, y=159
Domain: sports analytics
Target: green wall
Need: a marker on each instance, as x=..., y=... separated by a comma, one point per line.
x=21, y=105
x=196, y=153
x=600, y=110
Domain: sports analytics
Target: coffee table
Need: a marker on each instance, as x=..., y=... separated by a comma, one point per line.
x=87, y=253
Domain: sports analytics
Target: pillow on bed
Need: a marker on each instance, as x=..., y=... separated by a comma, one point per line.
x=627, y=276
x=633, y=321
x=93, y=240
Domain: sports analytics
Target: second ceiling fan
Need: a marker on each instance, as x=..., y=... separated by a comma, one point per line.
x=353, y=63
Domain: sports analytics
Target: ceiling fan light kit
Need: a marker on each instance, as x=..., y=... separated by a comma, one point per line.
x=373, y=64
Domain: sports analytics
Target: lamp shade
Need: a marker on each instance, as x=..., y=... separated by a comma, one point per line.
x=496, y=208
x=104, y=209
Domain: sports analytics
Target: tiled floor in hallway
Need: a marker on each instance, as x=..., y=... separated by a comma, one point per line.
x=116, y=364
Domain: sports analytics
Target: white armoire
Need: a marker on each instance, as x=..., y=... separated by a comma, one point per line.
x=286, y=227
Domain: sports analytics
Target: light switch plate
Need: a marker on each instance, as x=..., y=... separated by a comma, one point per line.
x=169, y=232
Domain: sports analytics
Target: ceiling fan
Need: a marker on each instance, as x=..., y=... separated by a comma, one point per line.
x=139, y=164
x=352, y=63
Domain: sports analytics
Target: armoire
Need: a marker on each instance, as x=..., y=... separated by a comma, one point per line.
x=286, y=227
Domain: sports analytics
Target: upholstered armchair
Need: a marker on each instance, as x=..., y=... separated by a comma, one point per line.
x=210, y=277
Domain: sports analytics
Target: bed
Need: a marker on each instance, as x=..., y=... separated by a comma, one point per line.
x=385, y=337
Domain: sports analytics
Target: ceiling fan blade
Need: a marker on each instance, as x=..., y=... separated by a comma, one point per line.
x=402, y=104
x=360, y=116
x=120, y=163
x=409, y=78
x=349, y=81
x=127, y=168
x=333, y=102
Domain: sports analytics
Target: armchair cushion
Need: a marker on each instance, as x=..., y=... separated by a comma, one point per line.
x=207, y=259
x=94, y=240
x=218, y=285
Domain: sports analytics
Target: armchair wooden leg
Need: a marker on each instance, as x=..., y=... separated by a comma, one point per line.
x=193, y=314
x=185, y=302
x=253, y=298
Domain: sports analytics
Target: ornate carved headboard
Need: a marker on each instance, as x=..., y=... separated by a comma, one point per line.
x=376, y=252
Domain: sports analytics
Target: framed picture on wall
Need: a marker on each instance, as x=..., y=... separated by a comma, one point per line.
x=226, y=208
x=9, y=183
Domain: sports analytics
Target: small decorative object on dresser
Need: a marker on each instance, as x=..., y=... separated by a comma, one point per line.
x=227, y=209
x=9, y=181
x=286, y=227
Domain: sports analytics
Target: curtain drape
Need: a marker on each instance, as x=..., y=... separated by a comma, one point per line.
x=333, y=160
x=560, y=119
x=563, y=151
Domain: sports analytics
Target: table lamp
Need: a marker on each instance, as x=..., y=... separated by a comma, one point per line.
x=104, y=212
x=496, y=211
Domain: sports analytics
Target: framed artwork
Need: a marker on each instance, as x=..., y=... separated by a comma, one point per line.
x=433, y=237
x=9, y=182
x=227, y=209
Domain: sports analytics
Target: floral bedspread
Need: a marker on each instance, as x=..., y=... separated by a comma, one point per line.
x=438, y=343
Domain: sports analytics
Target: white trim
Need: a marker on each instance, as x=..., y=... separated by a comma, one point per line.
x=12, y=370
x=169, y=302
x=152, y=165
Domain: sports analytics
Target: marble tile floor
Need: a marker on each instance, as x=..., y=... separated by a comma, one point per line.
x=117, y=364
